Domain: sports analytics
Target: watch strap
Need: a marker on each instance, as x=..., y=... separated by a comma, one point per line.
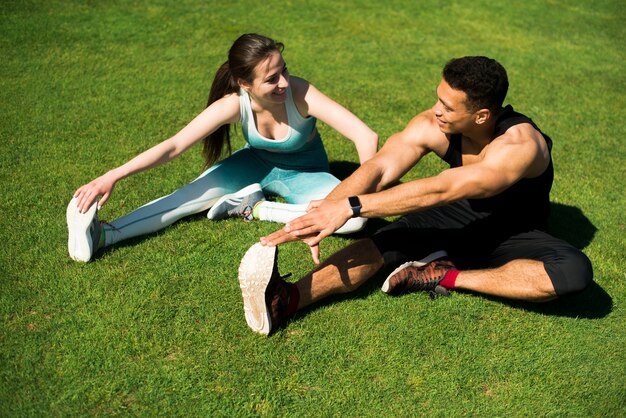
x=355, y=205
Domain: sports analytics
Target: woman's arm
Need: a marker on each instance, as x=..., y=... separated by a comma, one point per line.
x=225, y=110
x=317, y=104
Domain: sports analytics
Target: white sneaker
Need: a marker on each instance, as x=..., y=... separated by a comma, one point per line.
x=237, y=205
x=255, y=272
x=83, y=231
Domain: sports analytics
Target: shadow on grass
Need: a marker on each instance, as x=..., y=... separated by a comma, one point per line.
x=570, y=224
x=591, y=303
x=342, y=169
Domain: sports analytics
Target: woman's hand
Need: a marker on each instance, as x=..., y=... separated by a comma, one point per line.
x=88, y=193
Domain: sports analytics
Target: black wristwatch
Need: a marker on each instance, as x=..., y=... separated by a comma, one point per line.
x=355, y=204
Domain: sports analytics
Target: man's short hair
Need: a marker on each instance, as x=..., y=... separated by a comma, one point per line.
x=482, y=79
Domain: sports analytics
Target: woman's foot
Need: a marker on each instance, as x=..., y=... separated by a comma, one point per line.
x=84, y=231
x=237, y=205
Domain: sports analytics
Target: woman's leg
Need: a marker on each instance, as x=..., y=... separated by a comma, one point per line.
x=298, y=189
x=229, y=175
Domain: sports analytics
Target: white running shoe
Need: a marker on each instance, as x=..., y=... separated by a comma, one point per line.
x=83, y=231
x=237, y=205
x=255, y=273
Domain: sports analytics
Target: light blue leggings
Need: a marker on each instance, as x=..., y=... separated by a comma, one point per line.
x=296, y=178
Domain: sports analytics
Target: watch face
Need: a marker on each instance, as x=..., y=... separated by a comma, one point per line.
x=355, y=204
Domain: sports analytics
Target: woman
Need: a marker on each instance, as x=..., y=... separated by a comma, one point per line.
x=284, y=154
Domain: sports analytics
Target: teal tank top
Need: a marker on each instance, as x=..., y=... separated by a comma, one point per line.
x=297, y=138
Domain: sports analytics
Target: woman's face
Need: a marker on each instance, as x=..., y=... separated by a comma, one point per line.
x=271, y=80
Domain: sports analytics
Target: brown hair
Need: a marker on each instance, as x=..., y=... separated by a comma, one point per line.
x=243, y=57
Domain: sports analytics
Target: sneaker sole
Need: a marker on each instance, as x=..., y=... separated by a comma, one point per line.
x=255, y=272
x=79, y=243
x=420, y=263
x=211, y=214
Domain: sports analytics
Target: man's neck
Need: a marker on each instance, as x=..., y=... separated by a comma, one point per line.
x=482, y=135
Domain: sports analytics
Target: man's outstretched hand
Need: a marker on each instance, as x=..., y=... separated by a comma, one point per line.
x=323, y=217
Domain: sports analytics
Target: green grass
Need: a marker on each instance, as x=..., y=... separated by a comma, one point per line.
x=155, y=327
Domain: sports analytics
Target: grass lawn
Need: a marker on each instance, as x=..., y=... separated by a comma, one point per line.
x=155, y=326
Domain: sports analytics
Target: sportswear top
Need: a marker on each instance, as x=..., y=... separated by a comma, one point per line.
x=527, y=202
x=298, y=134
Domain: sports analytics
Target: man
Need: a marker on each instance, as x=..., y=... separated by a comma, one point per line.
x=477, y=226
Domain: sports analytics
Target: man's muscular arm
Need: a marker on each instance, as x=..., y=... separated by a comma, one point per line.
x=519, y=153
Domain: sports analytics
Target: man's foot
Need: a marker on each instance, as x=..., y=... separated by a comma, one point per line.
x=84, y=231
x=423, y=275
x=265, y=294
x=237, y=205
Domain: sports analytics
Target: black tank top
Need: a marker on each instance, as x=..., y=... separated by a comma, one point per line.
x=527, y=202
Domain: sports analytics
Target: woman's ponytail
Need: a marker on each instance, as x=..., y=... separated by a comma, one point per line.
x=223, y=84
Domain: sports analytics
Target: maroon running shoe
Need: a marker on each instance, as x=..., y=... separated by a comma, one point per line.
x=424, y=275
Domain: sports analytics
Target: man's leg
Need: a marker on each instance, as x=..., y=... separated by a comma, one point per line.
x=531, y=266
x=269, y=300
x=342, y=272
x=518, y=279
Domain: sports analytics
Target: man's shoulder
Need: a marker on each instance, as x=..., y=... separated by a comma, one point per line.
x=521, y=133
x=424, y=130
x=522, y=143
x=515, y=125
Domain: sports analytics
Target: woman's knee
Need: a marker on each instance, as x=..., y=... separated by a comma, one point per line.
x=353, y=225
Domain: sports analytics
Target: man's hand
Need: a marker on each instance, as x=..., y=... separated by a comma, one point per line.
x=323, y=217
x=281, y=236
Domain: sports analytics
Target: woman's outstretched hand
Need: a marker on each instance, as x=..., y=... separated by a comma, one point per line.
x=100, y=187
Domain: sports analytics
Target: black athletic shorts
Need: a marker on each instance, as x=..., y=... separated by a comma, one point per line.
x=475, y=240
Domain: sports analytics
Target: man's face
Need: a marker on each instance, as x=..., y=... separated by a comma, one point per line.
x=450, y=110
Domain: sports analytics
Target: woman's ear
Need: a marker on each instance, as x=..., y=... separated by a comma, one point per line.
x=244, y=85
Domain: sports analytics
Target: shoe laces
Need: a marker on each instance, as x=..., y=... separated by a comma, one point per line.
x=427, y=278
x=246, y=214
